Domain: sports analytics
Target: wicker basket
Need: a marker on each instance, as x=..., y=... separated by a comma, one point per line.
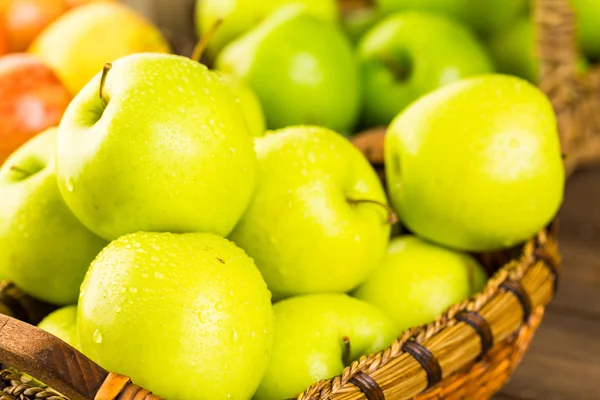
x=467, y=353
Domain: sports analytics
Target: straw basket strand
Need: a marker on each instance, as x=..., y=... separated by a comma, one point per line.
x=468, y=352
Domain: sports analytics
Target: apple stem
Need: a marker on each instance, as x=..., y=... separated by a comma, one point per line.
x=201, y=46
x=346, y=351
x=400, y=69
x=20, y=170
x=392, y=217
x=105, y=70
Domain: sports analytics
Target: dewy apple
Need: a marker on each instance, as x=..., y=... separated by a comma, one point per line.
x=187, y=316
x=476, y=165
x=318, y=221
x=316, y=336
x=418, y=280
x=44, y=249
x=160, y=145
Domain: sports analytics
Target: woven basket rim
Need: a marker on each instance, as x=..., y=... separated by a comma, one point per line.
x=540, y=250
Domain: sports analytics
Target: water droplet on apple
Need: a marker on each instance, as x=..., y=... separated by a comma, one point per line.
x=231, y=292
x=219, y=306
x=201, y=317
x=144, y=275
x=232, y=150
x=104, y=294
x=97, y=336
x=133, y=289
x=154, y=258
x=235, y=336
x=123, y=289
x=69, y=185
x=118, y=309
x=159, y=275
x=137, y=245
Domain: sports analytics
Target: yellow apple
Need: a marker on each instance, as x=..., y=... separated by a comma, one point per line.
x=80, y=42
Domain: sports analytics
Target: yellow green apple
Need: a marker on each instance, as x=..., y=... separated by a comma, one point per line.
x=476, y=165
x=483, y=16
x=318, y=220
x=409, y=54
x=240, y=16
x=316, y=336
x=62, y=323
x=249, y=103
x=187, y=316
x=587, y=18
x=82, y=40
x=166, y=148
x=302, y=69
x=44, y=249
x=418, y=280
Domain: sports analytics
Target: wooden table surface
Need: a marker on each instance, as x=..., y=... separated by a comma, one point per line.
x=564, y=359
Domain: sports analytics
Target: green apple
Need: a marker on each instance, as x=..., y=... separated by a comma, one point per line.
x=513, y=51
x=78, y=43
x=165, y=148
x=62, y=323
x=312, y=225
x=476, y=165
x=302, y=69
x=44, y=249
x=187, y=316
x=587, y=16
x=310, y=336
x=418, y=280
x=249, y=103
x=484, y=16
x=240, y=16
x=357, y=22
x=401, y=61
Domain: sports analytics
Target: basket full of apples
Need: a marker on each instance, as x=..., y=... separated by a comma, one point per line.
x=325, y=200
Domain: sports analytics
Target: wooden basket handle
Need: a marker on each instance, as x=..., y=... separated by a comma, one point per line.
x=58, y=365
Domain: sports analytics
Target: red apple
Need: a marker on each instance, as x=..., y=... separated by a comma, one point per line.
x=32, y=99
x=3, y=40
x=23, y=20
